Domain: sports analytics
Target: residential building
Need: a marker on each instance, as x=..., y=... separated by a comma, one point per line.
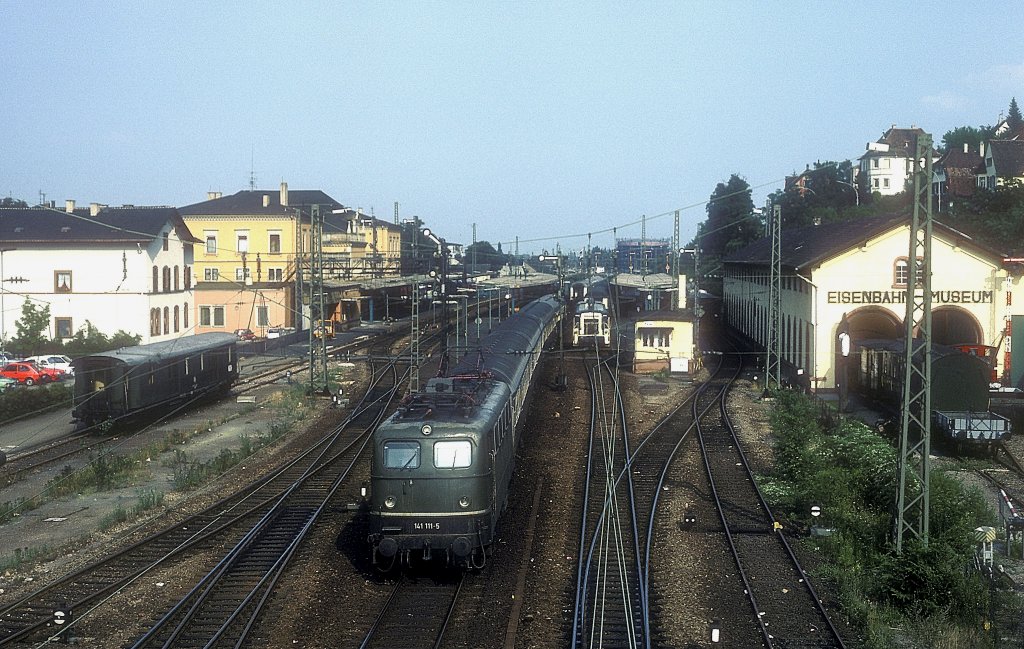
x=889, y=162
x=954, y=175
x=360, y=246
x=117, y=268
x=254, y=243
x=1004, y=163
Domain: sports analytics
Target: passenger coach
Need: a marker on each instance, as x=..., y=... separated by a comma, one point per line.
x=130, y=381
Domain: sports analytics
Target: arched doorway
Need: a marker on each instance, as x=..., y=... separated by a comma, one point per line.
x=953, y=325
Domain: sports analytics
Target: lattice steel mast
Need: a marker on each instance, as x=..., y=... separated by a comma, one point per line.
x=912, y=510
x=317, y=344
x=773, y=360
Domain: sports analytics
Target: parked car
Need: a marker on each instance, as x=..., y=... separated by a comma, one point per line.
x=7, y=383
x=277, y=332
x=245, y=334
x=27, y=373
x=54, y=362
x=7, y=357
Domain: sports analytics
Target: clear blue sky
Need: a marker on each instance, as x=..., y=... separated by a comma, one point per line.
x=536, y=119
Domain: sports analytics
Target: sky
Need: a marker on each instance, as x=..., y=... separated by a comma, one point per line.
x=542, y=120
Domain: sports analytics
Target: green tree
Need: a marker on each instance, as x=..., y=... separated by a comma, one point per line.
x=32, y=328
x=486, y=255
x=1013, y=116
x=970, y=135
x=7, y=201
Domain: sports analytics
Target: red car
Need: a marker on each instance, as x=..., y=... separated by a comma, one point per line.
x=30, y=373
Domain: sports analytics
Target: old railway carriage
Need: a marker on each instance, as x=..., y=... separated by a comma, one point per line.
x=442, y=463
x=145, y=379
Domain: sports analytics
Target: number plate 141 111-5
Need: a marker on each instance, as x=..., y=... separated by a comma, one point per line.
x=421, y=527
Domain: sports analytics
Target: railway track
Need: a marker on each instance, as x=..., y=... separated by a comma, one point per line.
x=235, y=521
x=417, y=613
x=783, y=603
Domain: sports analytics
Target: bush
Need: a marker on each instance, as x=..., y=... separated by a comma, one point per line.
x=20, y=401
x=851, y=473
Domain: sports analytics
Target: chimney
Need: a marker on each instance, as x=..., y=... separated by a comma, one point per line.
x=212, y=196
x=94, y=208
x=266, y=200
x=69, y=206
x=284, y=194
x=981, y=149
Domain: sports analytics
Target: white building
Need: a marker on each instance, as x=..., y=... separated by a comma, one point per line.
x=857, y=270
x=889, y=162
x=124, y=268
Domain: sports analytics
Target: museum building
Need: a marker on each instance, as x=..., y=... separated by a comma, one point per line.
x=853, y=274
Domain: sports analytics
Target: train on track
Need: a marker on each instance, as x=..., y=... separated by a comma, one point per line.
x=591, y=322
x=148, y=379
x=442, y=463
x=959, y=389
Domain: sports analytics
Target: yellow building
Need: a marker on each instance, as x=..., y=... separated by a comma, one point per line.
x=246, y=270
x=853, y=275
x=664, y=341
x=360, y=246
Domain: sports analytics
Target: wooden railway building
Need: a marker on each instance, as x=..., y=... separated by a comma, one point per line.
x=852, y=276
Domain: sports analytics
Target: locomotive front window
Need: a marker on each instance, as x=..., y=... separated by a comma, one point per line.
x=452, y=455
x=401, y=455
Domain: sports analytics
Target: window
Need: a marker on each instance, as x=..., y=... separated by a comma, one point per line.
x=167, y=320
x=218, y=316
x=211, y=274
x=184, y=313
x=874, y=163
x=188, y=277
x=885, y=183
x=453, y=455
x=275, y=274
x=654, y=336
x=166, y=242
x=177, y=319
x=156, y=279
x=62, y=281
x=275, y=243
x=211, y=316
x=211, y=244
x=874, y=183
x=242, y=273
x=154, y=322
x=242, y=241
x=63, y=327
x=901, y=273
x=401, y=455
x=176, y=280
x=205, y=316
x=262, y=316
x=167, y=279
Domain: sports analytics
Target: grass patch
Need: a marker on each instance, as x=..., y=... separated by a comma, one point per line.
x=147, y=499
x=23, y=556
x=103, y=473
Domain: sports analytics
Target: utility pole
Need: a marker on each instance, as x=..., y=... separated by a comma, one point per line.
x=317, y=344
x=414, y=346
x=773, y=359
x=913, y=499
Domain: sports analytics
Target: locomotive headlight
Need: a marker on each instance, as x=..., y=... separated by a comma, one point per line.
x=390, y=502
x=464, y=502
x=426, y=429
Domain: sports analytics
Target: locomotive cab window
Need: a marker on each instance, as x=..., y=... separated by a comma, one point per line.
x=401, y=455
x=453, y=455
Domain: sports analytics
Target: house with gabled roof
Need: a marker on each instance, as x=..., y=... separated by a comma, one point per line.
x=248, y=271
x=954, y=175
x=119, y=268
x=1004, y=163
x=888, y=162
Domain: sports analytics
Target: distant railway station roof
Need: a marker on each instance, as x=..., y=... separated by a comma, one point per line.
x=660, y=281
